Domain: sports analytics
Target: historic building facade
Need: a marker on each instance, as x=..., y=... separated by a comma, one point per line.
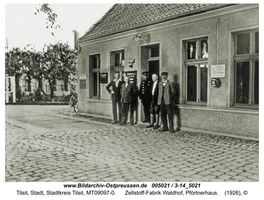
x=211, y=48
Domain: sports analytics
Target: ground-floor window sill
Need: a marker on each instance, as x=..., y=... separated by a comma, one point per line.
x=253, y=111
x=95, y=100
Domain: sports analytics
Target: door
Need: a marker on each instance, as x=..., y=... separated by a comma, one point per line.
x=153, y=67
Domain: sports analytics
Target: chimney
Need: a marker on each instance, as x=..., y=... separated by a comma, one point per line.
x=76, y=38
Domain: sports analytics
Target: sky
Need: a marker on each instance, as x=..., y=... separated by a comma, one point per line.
x=23, y=27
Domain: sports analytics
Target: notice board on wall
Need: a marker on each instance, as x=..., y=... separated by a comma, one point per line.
x=82, y=81
x=218, y=71
x=132, y=76
x=103, y=77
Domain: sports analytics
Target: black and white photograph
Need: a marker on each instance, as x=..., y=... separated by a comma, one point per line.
x=131, y=92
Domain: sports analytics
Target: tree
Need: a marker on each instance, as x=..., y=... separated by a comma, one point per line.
x=51, y=17
x=27, y=67
x=59, y=62
x=37, y=70
x=13, y=66
x=56, y=62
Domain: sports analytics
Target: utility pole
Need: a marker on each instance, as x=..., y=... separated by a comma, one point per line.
x=6, y=47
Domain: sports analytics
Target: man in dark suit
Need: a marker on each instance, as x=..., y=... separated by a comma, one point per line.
x=134, y=101
x=154, y=107
x=114, y=89
x=145, y=95
x=165, y=101
x=176, y=109
x=126, y=98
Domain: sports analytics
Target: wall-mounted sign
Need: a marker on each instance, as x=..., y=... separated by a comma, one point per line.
x=103, y=77
x=82, y=81
x=218, y=71
x=132, y=76
x=82, y=76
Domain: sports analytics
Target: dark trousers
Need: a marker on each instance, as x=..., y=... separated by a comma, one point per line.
x=132, y=110
x=146, y=106
x=164, y=111
x=125, y=108
x=116, y=105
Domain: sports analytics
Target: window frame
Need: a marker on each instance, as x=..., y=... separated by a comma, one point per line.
x=153, y=58
x=121, y=54
x=196, y=62
x=94, y=70
x=121, y=67
x=250, y=57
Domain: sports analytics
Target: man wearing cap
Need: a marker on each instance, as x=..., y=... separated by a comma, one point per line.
x=165, y=101
x=154, y=108
x=145, y=95
x=114, y=89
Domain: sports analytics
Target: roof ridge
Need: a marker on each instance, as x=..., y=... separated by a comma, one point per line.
x=99, y=21
x=124, y=17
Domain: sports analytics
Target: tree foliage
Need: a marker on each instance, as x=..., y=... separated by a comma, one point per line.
x=59, y=63
x=13, y=60
x=55, y=62
x=51, y=17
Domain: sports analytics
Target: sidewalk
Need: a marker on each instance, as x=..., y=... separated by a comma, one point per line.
x=104, y=119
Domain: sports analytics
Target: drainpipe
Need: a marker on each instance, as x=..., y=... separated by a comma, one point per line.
x=76, y=38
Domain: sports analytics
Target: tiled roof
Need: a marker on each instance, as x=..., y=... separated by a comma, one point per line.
x=123, y=17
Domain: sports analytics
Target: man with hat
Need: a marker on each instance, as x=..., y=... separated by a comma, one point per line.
x=145, y=95
x=165, y=101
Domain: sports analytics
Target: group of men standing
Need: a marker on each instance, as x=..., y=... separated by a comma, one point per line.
x=159, y=99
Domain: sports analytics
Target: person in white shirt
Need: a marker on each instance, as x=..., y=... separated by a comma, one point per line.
x=114, y=88
x=154, y=108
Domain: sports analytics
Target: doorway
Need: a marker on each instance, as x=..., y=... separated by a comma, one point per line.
x=150, y=59
x=153, y=67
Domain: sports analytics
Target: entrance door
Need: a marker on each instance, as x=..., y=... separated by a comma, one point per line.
x=153, y=67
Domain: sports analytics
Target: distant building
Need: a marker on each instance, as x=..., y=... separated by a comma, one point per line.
x=10, y=89
x=62, y=88
x=212, y=48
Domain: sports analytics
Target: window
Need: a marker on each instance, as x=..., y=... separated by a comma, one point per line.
x=9, y=84
x=246, y=70
x=154, y=51
x=153, y=59
x=117, y=62
x=256, y=42
x=65, y=84
x=55, y=85
x=196, y=64
x=117, y=58
x=95, y=73
x=243, y=41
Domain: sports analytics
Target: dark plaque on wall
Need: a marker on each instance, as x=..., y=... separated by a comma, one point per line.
x=82, y=83
x=103, y=77
x=132, y=76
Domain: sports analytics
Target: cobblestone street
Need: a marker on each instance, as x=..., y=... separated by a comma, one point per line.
x=44, y=146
